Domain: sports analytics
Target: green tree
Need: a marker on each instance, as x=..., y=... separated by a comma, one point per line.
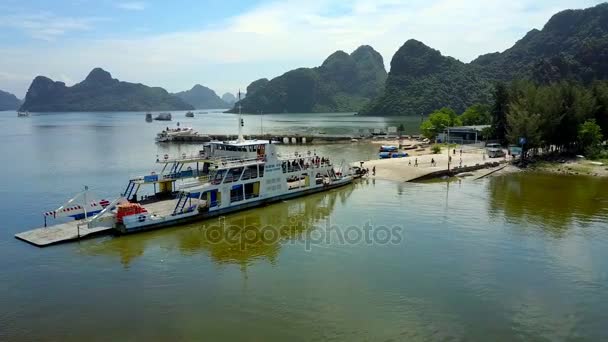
x=590, y=137
x=477, y=114
x=438, y=121
x=499, y=112
x=523, y=123
x=600, y=92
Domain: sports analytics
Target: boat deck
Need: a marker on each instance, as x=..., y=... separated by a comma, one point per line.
x=161, y=208
x=59, y=233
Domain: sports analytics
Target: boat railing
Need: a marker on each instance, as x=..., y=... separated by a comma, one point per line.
x=194, y=182
x=184, y=157
x=201, y=155
x=235, y=161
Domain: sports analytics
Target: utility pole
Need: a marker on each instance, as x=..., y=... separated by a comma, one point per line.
x=448, y=146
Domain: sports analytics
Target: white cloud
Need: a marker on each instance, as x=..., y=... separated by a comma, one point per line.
x=46, y=25
x=275, y=37
x=132, y=5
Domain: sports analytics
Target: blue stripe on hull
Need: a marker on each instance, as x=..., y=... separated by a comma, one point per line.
x=89, y=214
x=231, y=209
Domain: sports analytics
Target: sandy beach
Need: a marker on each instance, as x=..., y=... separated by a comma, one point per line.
x=417, y=166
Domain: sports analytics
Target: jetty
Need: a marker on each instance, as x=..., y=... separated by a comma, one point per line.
x=69, y=231
x=295, y=139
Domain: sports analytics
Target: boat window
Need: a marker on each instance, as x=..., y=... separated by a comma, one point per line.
x=218, y=176
x=252, y=190
x=233, y=175
x=236, y=193
x=251, y=172
x=261, y=170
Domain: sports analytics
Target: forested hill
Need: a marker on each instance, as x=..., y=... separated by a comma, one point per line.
x=8, y=101
x=98, y=92
x=344, y=82
x=201, y=97
x=573, y=45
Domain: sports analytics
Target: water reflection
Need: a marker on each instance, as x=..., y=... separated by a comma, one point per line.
x=240, y=238
x=553, y=202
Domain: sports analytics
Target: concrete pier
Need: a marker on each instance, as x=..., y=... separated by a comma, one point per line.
x=293, y=139
x=62, y=232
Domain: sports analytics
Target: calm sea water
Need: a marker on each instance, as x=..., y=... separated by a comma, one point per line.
x=517, y=257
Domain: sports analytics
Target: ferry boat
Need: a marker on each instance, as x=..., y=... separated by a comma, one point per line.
x=189, y=114
x=223, y=177
x=148, y=117
x=235, y=175
x=23, y=114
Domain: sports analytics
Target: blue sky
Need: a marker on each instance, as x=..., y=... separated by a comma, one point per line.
x=227, y=44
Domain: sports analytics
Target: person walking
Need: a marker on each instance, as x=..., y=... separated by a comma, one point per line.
x=409, y=162
x=416, y=162
x=432, y=161
x=374, y=170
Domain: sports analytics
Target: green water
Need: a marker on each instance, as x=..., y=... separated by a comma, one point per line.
x=516, y=257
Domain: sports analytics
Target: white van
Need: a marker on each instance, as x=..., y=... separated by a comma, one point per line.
x=495, y=150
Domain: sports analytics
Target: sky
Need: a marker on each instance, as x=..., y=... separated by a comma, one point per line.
x=227, y=44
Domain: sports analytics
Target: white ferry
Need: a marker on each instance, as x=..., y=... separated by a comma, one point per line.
x=235, y=175
x=223, y=177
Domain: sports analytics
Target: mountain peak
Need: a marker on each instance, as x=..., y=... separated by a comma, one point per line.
x=335, y=57
x=201, y=97
x=98, y=75
x=416, y=58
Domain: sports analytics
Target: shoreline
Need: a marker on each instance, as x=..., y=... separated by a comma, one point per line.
x=572, y=166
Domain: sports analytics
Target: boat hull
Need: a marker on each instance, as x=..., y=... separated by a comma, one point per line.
x=249, y=205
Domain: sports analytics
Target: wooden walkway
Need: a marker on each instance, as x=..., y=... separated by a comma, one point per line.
x=59, y=233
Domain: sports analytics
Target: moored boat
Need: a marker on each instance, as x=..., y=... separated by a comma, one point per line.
x=170, y=134
x=163, y=117
x=223, y=177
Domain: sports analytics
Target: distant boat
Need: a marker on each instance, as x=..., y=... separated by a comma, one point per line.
x=163, y=117
x=169, y=134
x=388, y=148
x=149, y=117
x=189, y=115
x=23, y=114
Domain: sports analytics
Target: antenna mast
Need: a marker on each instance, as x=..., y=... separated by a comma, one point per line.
x=240, y=138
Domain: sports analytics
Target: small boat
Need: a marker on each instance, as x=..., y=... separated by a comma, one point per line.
x=169, y=134
x=388, y=155
x=189, y=115
x=163, y=117
x=149, y=117
x=23, y=114
x=388, y=148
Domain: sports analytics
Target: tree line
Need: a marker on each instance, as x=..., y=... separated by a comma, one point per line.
x=559, y=117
